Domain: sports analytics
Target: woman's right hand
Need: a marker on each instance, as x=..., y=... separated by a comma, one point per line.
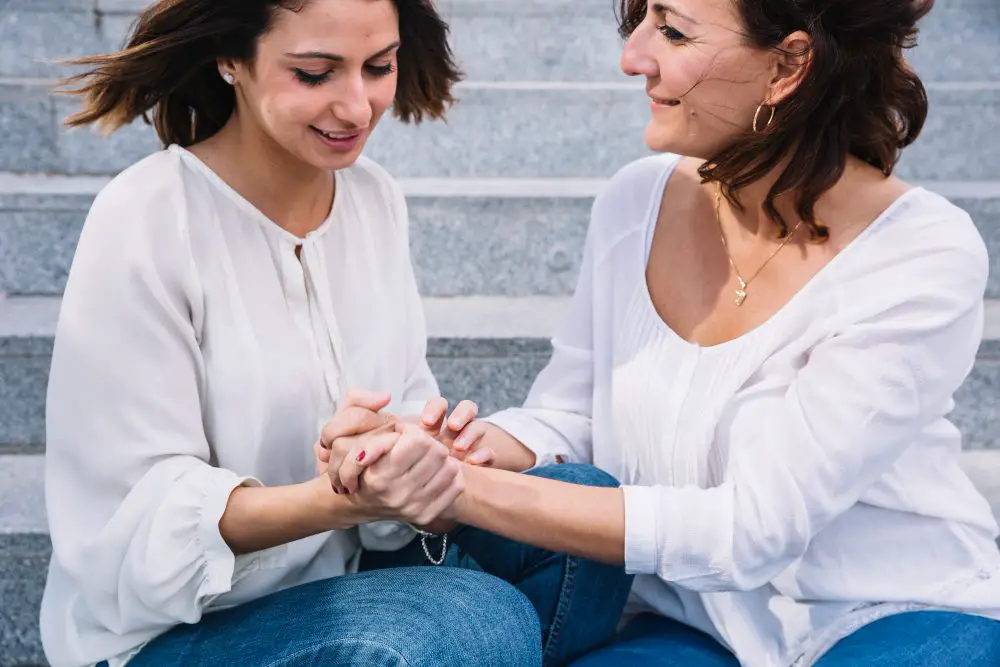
x=413, y=478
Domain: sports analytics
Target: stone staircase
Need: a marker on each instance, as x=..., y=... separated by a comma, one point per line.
x=499, y=199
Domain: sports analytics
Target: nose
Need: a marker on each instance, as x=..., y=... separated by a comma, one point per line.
x=636, y=59
x=351, y=105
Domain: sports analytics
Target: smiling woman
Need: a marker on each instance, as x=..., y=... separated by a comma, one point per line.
x=225, y=294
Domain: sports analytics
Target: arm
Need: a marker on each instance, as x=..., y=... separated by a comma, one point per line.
x=554, y=424
x=801, y=454
x=134, y=503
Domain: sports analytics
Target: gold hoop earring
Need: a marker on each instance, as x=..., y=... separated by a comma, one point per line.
x=756, y=118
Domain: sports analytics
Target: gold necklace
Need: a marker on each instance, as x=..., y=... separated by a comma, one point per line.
x=741, y=293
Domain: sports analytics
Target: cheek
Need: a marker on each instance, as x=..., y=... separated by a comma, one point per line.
x=382, y=94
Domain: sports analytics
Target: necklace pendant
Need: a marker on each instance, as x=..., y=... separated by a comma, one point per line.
x=741, y=293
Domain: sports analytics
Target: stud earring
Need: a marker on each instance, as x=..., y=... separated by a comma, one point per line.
x=229, y=78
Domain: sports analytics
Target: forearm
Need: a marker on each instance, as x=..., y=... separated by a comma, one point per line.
x=258, y=518
x=565, y=518
x=510, y=454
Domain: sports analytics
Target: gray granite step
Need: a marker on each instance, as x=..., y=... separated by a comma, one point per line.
x=509, y=130
x=470, y=237
x=485, y=348
x=458, y=245
x=25, y=548
x=527, y=40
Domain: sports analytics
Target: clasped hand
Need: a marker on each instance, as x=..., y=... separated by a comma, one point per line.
x=401, y=468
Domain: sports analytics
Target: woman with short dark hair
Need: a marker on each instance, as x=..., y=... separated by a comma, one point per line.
x=225, y=294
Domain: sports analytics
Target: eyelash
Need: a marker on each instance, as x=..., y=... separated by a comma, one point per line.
x=377, y=71
x=672, y=34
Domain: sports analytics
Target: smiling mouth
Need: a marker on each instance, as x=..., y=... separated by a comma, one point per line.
x=664, y=102
x=338, y=136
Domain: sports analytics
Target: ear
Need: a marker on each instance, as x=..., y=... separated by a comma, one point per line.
x=227, y=65
x=792, y=60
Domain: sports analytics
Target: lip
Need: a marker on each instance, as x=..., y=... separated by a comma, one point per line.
x=661, y=102
x=341, y=142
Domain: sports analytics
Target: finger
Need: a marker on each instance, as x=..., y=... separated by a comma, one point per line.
x=464, y=414
x=366, y=453
x=433, y=415
x=423, y=471
x=481, y=457
x=369, y=400
x=470, y=436
x=322, y=453
x=353, y=421
x=413, y=444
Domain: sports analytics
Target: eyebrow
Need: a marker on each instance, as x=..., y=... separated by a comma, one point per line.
x=320, y=55
x=661, y=8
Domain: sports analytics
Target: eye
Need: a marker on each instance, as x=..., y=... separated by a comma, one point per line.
x=381, y=70
x=672, y=34
x=311, y=79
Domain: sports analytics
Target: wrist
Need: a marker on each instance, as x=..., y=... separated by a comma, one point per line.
x=463, y=509
x=340, y=512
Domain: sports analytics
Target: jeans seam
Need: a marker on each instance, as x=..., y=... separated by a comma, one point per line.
x=284, y=660
x=562, y=608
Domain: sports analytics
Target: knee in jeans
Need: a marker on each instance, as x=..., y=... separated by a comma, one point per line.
x=583, y=474
x=473, y=618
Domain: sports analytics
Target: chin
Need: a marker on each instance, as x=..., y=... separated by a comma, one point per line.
x=661, y=140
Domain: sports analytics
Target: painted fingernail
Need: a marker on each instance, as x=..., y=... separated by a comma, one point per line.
x=361, y=456
x=462, y=443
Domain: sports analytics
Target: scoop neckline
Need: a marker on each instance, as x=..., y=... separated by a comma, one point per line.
x=656, y=202
x=220, y=183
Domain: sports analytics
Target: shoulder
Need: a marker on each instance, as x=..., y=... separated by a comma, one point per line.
x=924, y=259
x=929, y=240
x=626, y=203
x=370, y=179
x=139, y=220
x=375, y=194
x=639, y=184
x=141, y=197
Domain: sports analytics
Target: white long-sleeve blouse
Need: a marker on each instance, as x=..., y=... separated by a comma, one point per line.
x=196, y=352
x=785, y=487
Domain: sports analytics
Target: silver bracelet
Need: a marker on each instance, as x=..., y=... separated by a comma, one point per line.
x=427, y=552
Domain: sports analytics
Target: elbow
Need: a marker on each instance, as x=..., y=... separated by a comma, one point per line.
x=757, y=559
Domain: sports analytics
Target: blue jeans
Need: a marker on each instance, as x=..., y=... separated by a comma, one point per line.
x=916, y=639
x=493, y=603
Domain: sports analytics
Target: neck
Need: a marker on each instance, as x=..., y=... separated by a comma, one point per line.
x=753, y=221
x=294, y=195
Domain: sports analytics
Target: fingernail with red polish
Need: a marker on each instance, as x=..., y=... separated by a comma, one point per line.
x=361, y=456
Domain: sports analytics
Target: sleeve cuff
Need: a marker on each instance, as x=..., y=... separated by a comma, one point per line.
x=640, y=529
x=222, y=568
x=532, y=434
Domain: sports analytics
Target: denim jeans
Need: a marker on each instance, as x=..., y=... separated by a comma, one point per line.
x=493, y=603
x=915, y=639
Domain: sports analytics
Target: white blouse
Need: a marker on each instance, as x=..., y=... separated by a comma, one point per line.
x=788, y=486
x=196, y=353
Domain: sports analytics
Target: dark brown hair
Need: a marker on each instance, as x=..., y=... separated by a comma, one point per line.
x=859, y=96
x=170, y=66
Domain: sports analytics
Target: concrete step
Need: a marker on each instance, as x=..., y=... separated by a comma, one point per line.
x=491, y=237
x=508, y=130
x=505, y=40
x=25, y=548
x=488, y=349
